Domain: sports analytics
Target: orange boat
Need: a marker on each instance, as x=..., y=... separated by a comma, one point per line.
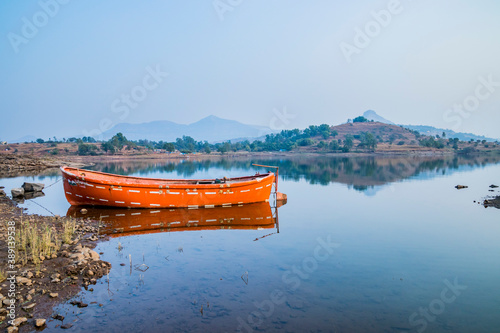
x=125, y=222
x=86, y=187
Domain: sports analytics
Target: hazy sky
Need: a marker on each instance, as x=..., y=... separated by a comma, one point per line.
x=71, y=68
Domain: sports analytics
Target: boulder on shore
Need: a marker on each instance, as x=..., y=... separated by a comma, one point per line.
x=33, y=187
x=17, y=192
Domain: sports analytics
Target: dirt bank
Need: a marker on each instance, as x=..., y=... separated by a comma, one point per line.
x=53, y=260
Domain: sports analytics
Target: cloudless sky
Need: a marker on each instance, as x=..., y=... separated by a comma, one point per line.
x=261, y=59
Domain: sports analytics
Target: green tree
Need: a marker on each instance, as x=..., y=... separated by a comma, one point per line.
x=206, y=148
x=368, y=140
x=360, y=119
x=118, y=141
x=86, y=149
x=224, y=148
x=107, y=146
x=334, y=145
x=348, y=143
x=169, y=146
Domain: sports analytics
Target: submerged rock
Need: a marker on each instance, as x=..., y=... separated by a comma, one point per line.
x=459, y=187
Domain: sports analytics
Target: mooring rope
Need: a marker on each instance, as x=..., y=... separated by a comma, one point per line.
x=54, y=183
x=33, y=201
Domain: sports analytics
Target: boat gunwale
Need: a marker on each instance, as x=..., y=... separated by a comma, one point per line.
x=155, y=182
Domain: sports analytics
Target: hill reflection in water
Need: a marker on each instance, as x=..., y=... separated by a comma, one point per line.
x=361, y=173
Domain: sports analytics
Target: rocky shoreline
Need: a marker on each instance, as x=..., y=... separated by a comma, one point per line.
x=45, y=279
x=11, y=165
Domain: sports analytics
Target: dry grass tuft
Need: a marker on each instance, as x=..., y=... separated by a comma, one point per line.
x=33, y=242
x=69, y=227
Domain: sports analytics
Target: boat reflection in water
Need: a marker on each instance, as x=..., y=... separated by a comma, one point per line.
x=124, y=222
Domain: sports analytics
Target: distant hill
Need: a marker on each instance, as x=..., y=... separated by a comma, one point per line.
x=211, y=129
x=428, y=130
x=372, y=115
x=381, y=131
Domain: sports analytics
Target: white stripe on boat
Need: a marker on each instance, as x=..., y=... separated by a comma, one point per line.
x=103, y=200
x=78, y=195
x=268, y=185
x=135, y=214
x=258, y=188
x=154, y=211
x=156, y=205
x=135, y=203
x=154, y=192
x=135, y=191
x=245, y=218
x=69, y=193
x=245, y=191
x=135, y=226
x=192, y=206
x=192, y=192
x=193, y=221
x=209, y=206
x=119, y=201
x=210, y=192
x=212, y=220
x=174, y=193
x=117, y=189
x=120, y=214
x=101, y=187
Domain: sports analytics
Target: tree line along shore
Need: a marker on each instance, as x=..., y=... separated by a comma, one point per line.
x=357, y=137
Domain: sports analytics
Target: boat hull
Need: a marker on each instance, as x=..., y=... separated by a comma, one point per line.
x=85, y=187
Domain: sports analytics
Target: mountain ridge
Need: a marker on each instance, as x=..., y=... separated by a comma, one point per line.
x=428, y=130
x=211, y=129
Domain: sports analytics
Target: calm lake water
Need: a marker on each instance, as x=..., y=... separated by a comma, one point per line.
x=364, y=245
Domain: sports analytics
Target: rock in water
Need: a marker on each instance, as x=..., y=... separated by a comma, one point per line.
x=2, y=193
x=33, y=187
x=17, y=192
x=493, y=186
x=459, y=187
x=39, y=322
